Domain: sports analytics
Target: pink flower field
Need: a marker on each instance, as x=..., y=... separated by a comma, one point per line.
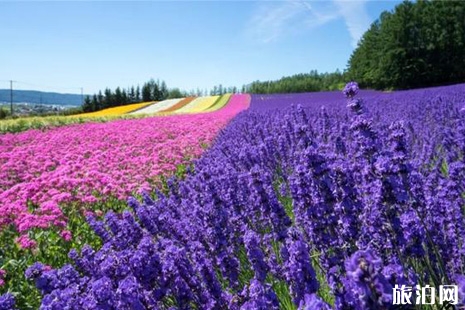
x=86, y=163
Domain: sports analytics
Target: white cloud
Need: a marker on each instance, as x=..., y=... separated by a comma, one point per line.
x=277, y=19
x=355, y=16
x=274, y=20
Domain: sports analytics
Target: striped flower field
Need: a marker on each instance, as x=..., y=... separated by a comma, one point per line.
x=131, y=111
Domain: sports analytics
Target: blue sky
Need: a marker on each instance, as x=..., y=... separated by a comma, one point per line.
x=62, y=46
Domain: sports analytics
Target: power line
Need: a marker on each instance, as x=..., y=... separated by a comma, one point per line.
x=11, y=96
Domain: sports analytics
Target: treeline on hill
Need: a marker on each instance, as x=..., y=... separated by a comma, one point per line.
x=219, y=90
x=418, y=44
x=150, y=91
x=304, y=82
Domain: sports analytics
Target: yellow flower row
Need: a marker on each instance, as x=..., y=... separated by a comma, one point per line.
x=204, y=104
x=116, y=111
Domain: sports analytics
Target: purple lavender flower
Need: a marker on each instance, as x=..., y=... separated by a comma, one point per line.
x=313, y=302
x=99, y=228
x=255, y=255
x=103, y=290
x=299, y=271
x=460, y=282
x=66, y=298
x=85, y=261
x=7, y=302
x=351, y=89
x=355, y=105
x=35, y=271
x=366, y=285
x=260, y=297
x=213, y=296
x=145, y=262
x=178, y=274
x=129, y=293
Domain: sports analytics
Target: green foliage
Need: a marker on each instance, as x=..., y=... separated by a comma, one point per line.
x=87, y=105
x=154, y=91
x=176, y=93
x=304, y=82
x=71, y=111
x=3, y=113
x=418, y=44
x=281, y=288
x=219, y=90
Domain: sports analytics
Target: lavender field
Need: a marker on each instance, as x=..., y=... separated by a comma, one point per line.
x=304, y=201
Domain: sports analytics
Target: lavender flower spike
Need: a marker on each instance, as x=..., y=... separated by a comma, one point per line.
x=350, y=90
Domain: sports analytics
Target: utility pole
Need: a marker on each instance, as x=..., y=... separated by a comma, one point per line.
x=82, y=96
x=11, y=96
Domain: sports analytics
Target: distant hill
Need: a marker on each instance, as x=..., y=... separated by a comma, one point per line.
x=39, y=97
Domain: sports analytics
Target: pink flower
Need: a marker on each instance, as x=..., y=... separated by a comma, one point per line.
x=66, y=235
x=2, y=277
x=26, y=243
x=43, y=170
x=88, y=213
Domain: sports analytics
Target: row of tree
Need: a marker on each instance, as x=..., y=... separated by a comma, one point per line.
x=219, y=90
x=418, y=44
x=304, y=82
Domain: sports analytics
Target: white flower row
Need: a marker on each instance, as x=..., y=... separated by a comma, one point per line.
x=158, y=106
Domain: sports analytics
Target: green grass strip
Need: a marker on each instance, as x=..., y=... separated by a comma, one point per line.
x=219, y=103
